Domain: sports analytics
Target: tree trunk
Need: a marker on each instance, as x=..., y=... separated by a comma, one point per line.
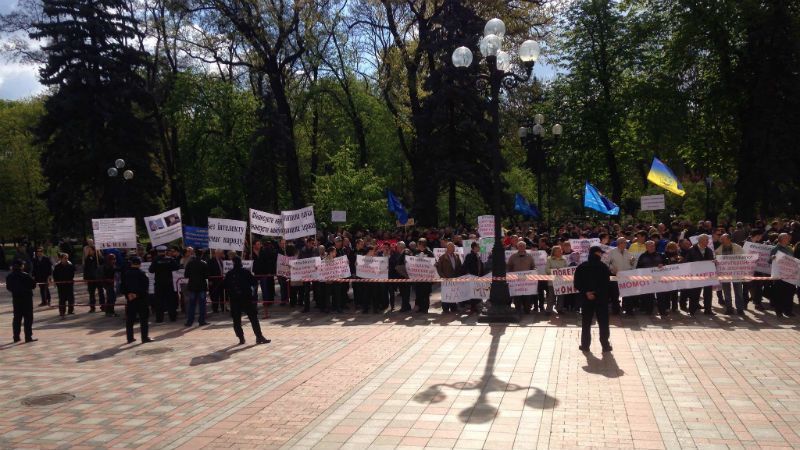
x=451, y=203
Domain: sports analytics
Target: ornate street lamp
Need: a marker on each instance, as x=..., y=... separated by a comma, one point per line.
x=534, y=142
x=113, y=172
x=499, y=75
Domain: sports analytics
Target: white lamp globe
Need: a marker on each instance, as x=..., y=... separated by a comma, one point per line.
x=503, y=61
x=492, y=43
x=462, y=57
x=128, y=174
x=120, y=163
x=529, y=51
x=495, y=26
x=112, y=171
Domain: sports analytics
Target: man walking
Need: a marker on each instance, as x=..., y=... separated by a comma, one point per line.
x=135, y=285
x=21, y=286
x=196, y=273
x=592, y=280
x=239, y=284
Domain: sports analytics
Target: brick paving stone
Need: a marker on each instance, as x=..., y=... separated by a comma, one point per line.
x=387, y=381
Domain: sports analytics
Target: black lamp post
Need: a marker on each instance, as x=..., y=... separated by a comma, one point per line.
x=499, y=76
x=113, y=172
x=534, y=141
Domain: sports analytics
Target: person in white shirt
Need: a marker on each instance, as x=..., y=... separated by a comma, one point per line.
x=619, y=259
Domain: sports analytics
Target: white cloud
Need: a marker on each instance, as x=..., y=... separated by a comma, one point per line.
x=19, y=81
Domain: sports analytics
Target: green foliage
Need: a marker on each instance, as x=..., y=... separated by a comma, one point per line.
x=23, y=212
x=358, y=190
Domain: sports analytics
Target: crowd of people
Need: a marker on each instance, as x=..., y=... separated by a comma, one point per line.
x=113, y=273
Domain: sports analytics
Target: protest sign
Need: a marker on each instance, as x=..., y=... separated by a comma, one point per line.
x=226, y=234
x=372, y=266
x=456, y=290
x=421, y=267
x=265, y=224
x=227, y=265
x=299, y=223
x=284, y=265
x=562, y=281
x=786, y=268
x=737, y=267
x=178, y=280
x=518, y=284
x=338, y=216
x=540, y=260
x=583, y=245
x=332, y=269
x=118, y=232
x=763, y=252
x=304, y=269
x=196, y=237
x=486, y=245
x=486, y=226
x=165, y=227
x=439, y=251
x=654, y=279
x=653, y=202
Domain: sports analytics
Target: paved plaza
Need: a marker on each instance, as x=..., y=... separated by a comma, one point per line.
x=395, y=381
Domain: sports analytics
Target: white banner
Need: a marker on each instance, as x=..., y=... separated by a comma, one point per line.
x=226, y=234
x=372, y=266
x=299, y=223
x=486, y=245
x=151, y=277
x=540, y=259
x=304, y=269
x=439, y=251
x=562, y=281
x=335, y=268
x=786, y=268
x=118, y=232
x=519, y=285
x=285, y=265
x=165, y=227
x=737, y=267
x=421, y=267
x=630, y=283
x=486, y=226
x=653, y=202
x=763, y=252
x=227, y=265
x=459, y=291
x=265, y=224
x=583, y=245
x=338, y=216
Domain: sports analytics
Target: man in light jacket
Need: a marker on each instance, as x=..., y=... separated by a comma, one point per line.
x=728, y=247
x=519, y=262
x=620, y=259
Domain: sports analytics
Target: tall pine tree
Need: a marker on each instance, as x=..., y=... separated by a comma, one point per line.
x=95, y=114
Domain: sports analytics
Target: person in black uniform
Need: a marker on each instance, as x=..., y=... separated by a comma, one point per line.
x=21, y=286
x=42, y=270
x=64, y=276
x=239, y=284
x=166, y=299
x=593, y=280
x=134, y=287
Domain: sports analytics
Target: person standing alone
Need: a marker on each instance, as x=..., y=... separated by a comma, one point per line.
x=21, y=286
x=592, y=280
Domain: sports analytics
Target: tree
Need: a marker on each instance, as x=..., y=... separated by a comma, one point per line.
x=94, y=115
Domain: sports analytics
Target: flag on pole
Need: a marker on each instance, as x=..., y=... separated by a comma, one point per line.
x=662, y=176
x=593, y=199
x=396, y=208
x=522, y=206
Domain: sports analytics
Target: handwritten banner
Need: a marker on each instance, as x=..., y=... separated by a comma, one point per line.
x=763, y=251
x=284, y=268
x=226, y=234
x=299, y=223
x=562, y=281
x=332, y=269
x=786, y=268
x=737, y=267
x=459, y=291
x=421, y=267
x=654, y=279
x=486, y=226
x=265, y=224
x=304, y=269
x=519, y=285
x=372, y=266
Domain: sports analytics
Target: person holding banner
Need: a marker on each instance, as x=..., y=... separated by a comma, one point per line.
x=620, y=259
x=671, y=256
x=592, y=280
x=782, y=291
x=239, y=284
x=166, y=298
x=700, y=252
x=283, y=283
x=397, y=270
x=422, y=290
x=555, y=261
x=519, y=262
x=474, y=266
x=42, y=270
x=449, y=266
x=756, y=287
x=108, y=282
x=64, y=276
x=728, y=247
x=309, y=251
x=650, y=258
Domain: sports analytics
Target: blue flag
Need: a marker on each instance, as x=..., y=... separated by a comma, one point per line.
x=522, y=206
x=397, y=208
x=593, y=199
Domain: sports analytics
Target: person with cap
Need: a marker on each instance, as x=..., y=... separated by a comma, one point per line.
x=239, y=284
x=64, y=276
x=166, y=299
x=134, y=286
x=21, y=286
x=196, y=273
x=592, y=281
x=42, y=271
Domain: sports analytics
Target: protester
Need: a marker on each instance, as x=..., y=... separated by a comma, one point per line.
x=21, y=286
x=239, y=284
x=216, y=270
x=521, y=261
x=620, y=259
x=449, y=266
x=422, y=289
x=650, y=258
x=783, y=292
x=166, y=298
x=135, y=285
x=42, y=271
x=474, y=266
x=196, y=274
x=555, y=261
x=728, y=247
x=700, y=252
x=397, y=270
x=64, y=277
x=592, y=280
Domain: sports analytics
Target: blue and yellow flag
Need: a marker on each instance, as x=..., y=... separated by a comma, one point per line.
x=661, y=176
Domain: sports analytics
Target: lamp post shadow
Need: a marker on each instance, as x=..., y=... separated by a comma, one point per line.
x=482, y=411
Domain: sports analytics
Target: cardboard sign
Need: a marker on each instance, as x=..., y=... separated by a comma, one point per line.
x=439, y=251
x=763, y=251
x=421, y=267
x=118, y=232
x=151, y=277
x=562, y=281
x=486, y=245
x=657, y=279
x=299, y=223
x=653, y=202
x=332, y=269
x=285, y=266
x=265, y=224
x=226, y=234
x=372, y=266
x=458, y=291
x=786, y=268
x=165, y=227
x=738, y=267
x=486, y=226
x=519, y=285
x=338, y=216
x=304, y=269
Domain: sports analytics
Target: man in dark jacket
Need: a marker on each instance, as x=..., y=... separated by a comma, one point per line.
x=216, y=271
x=266, y=263
x=700, y=252
x=474, y=266
x=239, y=284
x=21, y=286
x=90, y=268
x=134, y=286
x=64, y=276
x=650, y=258
x=397, y=270
x=42, y=270
x=196, y=273
x=166, y=299
x=593, y=280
